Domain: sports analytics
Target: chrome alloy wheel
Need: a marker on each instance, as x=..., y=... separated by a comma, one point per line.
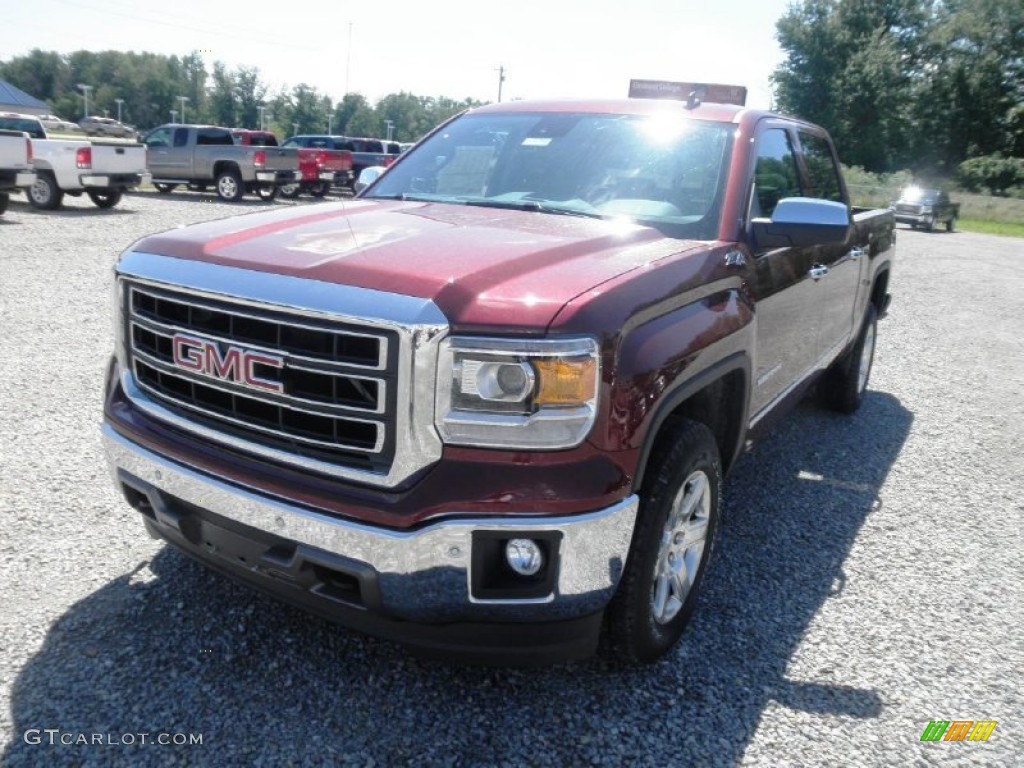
x=867, y=355
x=227, y=186
x=682, y=548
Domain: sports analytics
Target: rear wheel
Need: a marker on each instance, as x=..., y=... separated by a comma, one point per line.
x=44, y=194
x=951, y=224
x=229, y=186
x=291, y=191
x=165, y=189
x=847, y=380
x=104, y=198
x=672, y=542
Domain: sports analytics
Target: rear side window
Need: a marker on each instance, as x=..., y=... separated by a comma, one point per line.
x=208, y=136
x=775, y=175
x=822, y=175
x=32, y=127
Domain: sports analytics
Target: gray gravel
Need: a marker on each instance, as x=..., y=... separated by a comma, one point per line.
x=867, y=579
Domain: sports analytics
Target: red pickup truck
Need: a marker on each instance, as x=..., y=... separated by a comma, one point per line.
x=486, y=407
x=320, y=164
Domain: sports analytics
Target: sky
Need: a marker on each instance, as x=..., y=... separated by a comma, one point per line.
x=548, y=48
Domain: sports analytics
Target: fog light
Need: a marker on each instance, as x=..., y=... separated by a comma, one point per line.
x=524, y=556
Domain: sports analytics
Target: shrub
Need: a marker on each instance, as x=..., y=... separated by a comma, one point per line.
x=995, y=173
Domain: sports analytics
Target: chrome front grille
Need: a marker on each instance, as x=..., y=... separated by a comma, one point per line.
x=300, y=386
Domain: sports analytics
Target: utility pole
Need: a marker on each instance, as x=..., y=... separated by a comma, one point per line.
x=501, y=80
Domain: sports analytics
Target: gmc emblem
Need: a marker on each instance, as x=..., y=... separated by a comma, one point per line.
x=236, y=365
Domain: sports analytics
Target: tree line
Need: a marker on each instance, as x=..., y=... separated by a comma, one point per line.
x=936, y=87
x=154, y=88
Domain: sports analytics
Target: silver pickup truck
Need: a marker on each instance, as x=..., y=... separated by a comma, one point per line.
x=200, y=155
x=15, y=165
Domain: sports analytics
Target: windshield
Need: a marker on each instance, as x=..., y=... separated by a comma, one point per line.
x=665, y=171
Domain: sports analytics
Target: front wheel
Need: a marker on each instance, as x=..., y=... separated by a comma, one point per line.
x=104, y=198
x=44, y=194
x=951, y=224
x=847, y=380
x=672, y=543
x=229, y=186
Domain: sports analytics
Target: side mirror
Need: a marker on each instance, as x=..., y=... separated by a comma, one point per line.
x=802, y=221
x=367, y=176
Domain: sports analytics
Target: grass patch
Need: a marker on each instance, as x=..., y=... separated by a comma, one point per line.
x=1004, y=228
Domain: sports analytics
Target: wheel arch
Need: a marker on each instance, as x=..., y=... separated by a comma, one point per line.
x=717, y=397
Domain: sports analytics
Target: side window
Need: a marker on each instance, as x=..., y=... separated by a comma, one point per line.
x=775, y=175
x=822, y=174
x=161, y=137
x=181, y=137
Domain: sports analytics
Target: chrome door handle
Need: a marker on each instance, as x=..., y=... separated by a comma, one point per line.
x=818, y=271
x=855, y=253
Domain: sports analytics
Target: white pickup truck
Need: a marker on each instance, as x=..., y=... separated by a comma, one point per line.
x=15, y=165
x=103, y=170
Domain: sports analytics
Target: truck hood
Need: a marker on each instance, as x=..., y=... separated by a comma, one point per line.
x=483, y=267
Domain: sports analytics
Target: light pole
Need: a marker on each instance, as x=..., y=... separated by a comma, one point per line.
x=330, y=124
x=295, y=129
x=501, y=80
x=119, y=103
x=174, y=115
x=183, y=99
x=85, y=95
x=390, y=127
x=261, y=108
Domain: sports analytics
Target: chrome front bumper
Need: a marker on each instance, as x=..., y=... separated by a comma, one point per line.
x=423, y=575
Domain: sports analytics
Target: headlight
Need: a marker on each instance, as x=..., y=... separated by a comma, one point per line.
x=506, y=393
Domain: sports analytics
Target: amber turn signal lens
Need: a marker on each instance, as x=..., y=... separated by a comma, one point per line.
x=565, y=382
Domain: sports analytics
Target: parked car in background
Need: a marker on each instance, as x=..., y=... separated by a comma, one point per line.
x=196, y=155
x=923, y=207
x=325, y=161
x=103, y=171
x=15, y=165
x=55, y=124
x=367, y=153
x=106, y=126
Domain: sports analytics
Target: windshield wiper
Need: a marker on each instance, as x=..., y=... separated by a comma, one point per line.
x=416, y=198
x=533, y=205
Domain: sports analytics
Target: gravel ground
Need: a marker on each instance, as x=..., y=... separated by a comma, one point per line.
x=867, y=579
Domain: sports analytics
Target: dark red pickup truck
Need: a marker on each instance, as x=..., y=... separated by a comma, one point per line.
x=486, y=407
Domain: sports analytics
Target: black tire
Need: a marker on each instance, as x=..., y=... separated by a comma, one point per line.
x=847, y=380
x=165, y=189
x=4, y=200
x=321, y=189
x=229, y=186
x=929, y=225
x=104, y=198
x=671, y=547
x=266, y=192
x=44, y=194
x=951, y=224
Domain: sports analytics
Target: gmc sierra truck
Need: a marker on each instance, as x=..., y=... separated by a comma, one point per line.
x=486, y=407
x=15, y=165
x=197, y=155
x=925, y=208
x=102, y=170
